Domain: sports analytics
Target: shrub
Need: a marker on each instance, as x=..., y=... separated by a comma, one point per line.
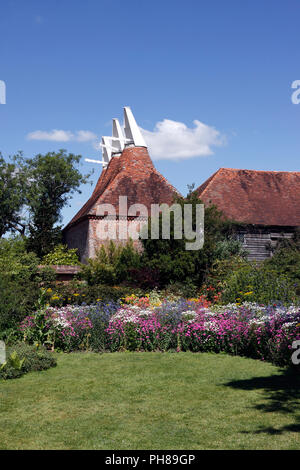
x=286, y=260
x=61, y=255
x=79, y=293
x=174, y=262
x=111, y=265
x=20, y=280
x=258, y=284
x=182, y=289
x=221, y=270
x=23, y=358
x=145, y=277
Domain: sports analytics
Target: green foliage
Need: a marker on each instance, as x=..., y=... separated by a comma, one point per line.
x=23, y=358
x=20, y=280
x=12, y=197
x=53, y=179
x=222, y=269
x=61, y=255
x=286, y=260
x=13, y=361
x=43, y=240
x=184, y=290
x=42, y=185
x=229, y=248
x=80, y=293
x=48, y=181
x=111, y=265
x=131, y=342
x=257, y=284
x=174, y=262
x=18, y=273
x=15, y=261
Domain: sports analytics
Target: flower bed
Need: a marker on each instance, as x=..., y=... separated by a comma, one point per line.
x=257, y=331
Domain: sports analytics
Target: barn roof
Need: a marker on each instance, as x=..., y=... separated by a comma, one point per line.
x=255, y=197
x=131, y=174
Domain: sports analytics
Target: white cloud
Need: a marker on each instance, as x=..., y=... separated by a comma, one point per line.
x=55, y=135
x=62, y=136
x=172, y=140
x=85, y=136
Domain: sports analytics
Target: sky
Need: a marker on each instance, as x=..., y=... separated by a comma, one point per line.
x=209, y=82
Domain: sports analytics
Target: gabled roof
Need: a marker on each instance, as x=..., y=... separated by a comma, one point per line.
x=131, y=174
x=255, y=197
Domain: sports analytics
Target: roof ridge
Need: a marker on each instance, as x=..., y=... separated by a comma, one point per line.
x=257, y=197
x=258, y=171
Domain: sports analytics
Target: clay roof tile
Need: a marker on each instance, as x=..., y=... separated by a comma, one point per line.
x=131, y=174
x=255, y=197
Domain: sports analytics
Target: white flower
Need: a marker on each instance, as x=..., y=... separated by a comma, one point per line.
x=211, y=326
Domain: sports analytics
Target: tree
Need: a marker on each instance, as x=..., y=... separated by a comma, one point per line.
x=51, y=180
x=41, y=186
x=170, y=257
x=12, y=197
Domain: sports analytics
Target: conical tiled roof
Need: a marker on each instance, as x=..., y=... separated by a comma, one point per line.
x=131, y=174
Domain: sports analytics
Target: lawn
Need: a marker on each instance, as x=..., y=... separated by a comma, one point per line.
x=151, y=401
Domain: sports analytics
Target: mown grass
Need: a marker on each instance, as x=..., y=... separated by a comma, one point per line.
x=151, y=401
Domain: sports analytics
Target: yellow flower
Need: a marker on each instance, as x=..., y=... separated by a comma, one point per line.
x=76, y=294
x=49, y=290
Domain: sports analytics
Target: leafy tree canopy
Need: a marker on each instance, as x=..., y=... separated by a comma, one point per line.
x=174, y=262
x=12, y=197
x=42, y=186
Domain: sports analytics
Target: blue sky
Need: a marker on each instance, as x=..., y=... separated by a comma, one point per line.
x=71, y=65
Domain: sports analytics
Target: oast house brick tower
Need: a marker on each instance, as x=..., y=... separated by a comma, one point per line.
x=128, y=175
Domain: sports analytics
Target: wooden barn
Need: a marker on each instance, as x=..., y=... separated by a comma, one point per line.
x=266, y=202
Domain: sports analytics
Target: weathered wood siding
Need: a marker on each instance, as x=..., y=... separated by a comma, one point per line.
x=260, y=245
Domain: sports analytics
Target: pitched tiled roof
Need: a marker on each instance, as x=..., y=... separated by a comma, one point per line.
x=132, y=174
x=255, y=197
